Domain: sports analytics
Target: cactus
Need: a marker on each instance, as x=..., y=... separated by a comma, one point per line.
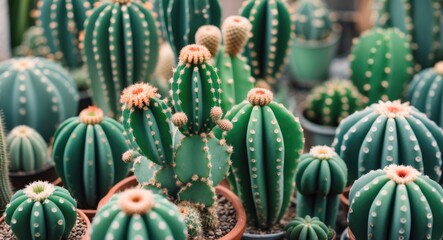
x=5, y=184
x=331, y=102
x=389, y=133
x=87, y=152
x=268, y=47
x=320, y=178
x=381, y=64
x=121, y=47
x=307, y=228
x=37, y=93
x=396, y=203
x=21, y=18
x=138, y=214
x=313, y=21
x=268, y=141
x=41, y=211
x=421, y=20
x=425, y=93
x=27, y=149
x=33, y=44
x=192, y=218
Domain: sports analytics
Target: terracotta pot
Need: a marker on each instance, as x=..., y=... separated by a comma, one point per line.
x=89, y=213
x=235, y=234
x=20, y=179
x=344, y=199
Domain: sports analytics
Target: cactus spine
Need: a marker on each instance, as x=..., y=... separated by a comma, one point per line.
x=313, y=21
x=307, y=228
x=5, y=184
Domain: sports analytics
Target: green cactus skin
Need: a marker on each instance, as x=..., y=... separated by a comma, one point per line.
x=313, y=21
x=121, y=46
x=33, y=44
x=20, y=19
x=268, y=141
x=269, y=45
x=320, y=178
x=87, y=152
x=37, y=93
x=331, y=102
x=396, y=203
x=27, y=149
x=192, y=218
x=389, y=133
x=421, y=20
x=426, y=91
x=138, y=214
x=307, y=228
x=41, y=211
x=381, y=64
x=5, y=184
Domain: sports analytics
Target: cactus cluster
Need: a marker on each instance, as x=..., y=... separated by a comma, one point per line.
x=313, y=21
x=307, y=228
x=389, y=133
x=5, y=184
x=382, y=64
x=396, y=203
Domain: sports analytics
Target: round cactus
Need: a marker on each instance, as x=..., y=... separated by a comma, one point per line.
x=313, y=21
x=193, y=220
x=33, y=44
x=37, y=93
x=389, y=133
x=307, y=228
x=27, y=149
x=41, y=211
x=382, y=64
x=87, y=152
x=331, y=102
x=138, y=214
x=396, y=203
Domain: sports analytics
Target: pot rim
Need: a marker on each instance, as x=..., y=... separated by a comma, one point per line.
x=328, y=42
x=33, y=172
x=311, y=126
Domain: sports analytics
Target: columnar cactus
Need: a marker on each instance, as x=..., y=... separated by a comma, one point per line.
x=121, y=48
x=389, y=133
x=37, y=93
x=268, y=47
x=268, y=141
x=5, y=184
x=41, y=211
x=382, y=64
x=396, y=203
x=331, y=102
x=27, y=149
x=320, y=179
x=87, y=152
x=313, y=21
x=138, y=214
x=425, y=93
x=307, y=228
x=20, y=19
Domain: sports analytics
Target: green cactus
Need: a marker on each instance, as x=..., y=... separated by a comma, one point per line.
x=5, y=184
x=381, y=64
x=389, y=133
x=313, y=21
x=121, y=47
x=396, y=203
x=37, y=93
x=81, y=77
x=27, y=149
x=425, y=93
x=421, y=20
x=41, y=211
x=268, y=141
x=192, y=218
x=320, y=178
x=87, y=152
x=33, y=44
x=331, y=102
x=20, y=18
x=307, y=228
x=138, y=214
x=268, y=47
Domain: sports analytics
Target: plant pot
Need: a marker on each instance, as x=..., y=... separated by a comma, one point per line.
x=271, y=236
x=315, y=134
x=89, y=213
x=20, y=179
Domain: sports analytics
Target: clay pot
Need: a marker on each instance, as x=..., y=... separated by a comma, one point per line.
x=89, y=213
x=20, y=179
x=344, y=199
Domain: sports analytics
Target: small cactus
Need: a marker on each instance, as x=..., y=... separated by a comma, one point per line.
x=5, y=184
x=313, y=21
x=307, y=228
x=34, y=43
x=192, y=218
x=41, y=211
x=396, y=203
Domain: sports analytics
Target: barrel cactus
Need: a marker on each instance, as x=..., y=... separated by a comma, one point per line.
x=268, y=141
x=307, y=228
x=5, y=184
x=397, y=202
x=382, y=64
x=138, y=214
x=313, y=21
x=87, y=152
x=27, y=149
x=389, y=133
x=37, y=93
x=41, y=211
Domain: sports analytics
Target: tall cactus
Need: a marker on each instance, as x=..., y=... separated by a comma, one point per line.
x=20, y=19
x=313, y=21
x=34, y=44
x=5, y=184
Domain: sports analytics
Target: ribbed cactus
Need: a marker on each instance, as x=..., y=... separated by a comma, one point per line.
x=312, y=21
x=419, y=19
x=307, y=228
x=268, y=141
x=41, y=211
x=27, y=149
x=20, y=19
x=331, y=102
x=87, y=152
x=396, y=203
x=320, y=178
x=389, y=133
x=382, y=64
x=268, y=47
x=34, y=43
x=121, y=48
x=426, y=91
x=5, y=184
x=192, y=219
x=138, y=214
x=37, y=93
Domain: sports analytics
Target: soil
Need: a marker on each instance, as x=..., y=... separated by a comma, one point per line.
x=227, y=217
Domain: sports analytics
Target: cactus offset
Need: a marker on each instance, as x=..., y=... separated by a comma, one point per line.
x=5, y=184
x=192, y=218
x=307, y=228
x=396, y=203
x=313, y=21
